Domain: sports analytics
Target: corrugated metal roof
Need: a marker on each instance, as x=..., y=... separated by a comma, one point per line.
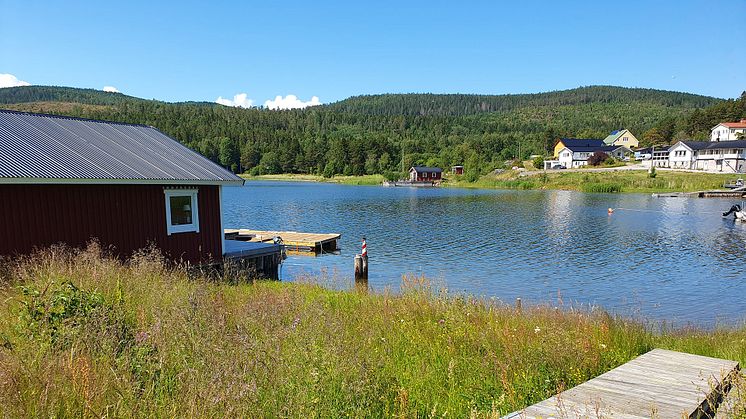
x=59, y=149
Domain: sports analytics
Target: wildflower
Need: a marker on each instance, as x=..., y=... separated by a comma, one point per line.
x=603, y=346
x=537, y=330
x=441, y=321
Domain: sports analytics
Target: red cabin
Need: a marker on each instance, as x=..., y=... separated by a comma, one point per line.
x=71, y=180
x=425, y=174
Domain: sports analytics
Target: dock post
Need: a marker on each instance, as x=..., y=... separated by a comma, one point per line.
x=361, y=267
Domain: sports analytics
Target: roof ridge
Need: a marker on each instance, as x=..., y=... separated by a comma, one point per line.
x=75, y=118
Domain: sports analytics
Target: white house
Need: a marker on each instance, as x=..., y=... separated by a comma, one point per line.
x=728, y=131
x=576, y=156
x=713, y=156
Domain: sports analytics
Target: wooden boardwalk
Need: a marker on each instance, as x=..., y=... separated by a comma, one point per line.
x=292, y=240
x=660, y=384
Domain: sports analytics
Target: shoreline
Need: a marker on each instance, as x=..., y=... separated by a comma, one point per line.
x=619, y=181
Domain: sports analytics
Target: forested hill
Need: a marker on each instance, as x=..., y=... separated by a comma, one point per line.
x=26, y=94
x=467, y=104
x=389, y=133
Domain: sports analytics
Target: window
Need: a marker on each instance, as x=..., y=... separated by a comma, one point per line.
x=181, y=211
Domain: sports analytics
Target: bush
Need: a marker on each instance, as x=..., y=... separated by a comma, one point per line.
x=538, y=162
x=597, y=158
x=651, y=173
x=393, y=176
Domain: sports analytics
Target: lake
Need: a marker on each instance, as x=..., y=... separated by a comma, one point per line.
x=662, y=259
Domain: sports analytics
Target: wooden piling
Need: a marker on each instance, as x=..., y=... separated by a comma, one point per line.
x=361, y=267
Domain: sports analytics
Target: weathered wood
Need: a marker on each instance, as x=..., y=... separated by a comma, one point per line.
x=292, y=240
x=660, y=383
x=361, y=267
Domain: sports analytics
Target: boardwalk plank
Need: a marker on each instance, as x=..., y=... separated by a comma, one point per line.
x=660, y=383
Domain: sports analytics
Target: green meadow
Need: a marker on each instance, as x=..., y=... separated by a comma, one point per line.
x=85, y=335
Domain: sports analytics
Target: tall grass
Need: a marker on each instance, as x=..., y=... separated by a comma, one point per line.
x=602, y=187
x=83, y=334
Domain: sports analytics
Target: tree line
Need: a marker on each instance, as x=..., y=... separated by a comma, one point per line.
x=388, y=133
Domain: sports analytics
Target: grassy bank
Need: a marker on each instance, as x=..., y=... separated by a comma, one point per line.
x=635, y=181
x=85, y=335
x=609, y=182
x=345, y=180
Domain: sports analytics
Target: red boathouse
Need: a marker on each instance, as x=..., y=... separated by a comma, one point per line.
x=425, y=174
x=71, y=180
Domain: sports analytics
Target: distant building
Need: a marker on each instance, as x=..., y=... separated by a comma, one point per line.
x=71, y=180
x=644, y=153
x=714, y=156
x=457, y=170
x=728, y=131
x=576, y=156
x=425, y=174
x=576, y=142
x=622, y=137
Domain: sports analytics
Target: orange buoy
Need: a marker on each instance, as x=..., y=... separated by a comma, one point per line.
x=611, y=211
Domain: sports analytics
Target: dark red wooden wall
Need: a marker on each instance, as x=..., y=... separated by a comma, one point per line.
x=127, y=217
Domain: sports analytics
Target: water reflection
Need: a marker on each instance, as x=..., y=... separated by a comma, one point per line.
x=664, y=258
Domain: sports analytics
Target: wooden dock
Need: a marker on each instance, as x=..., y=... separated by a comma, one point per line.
x=291, y=240
x=660, y=384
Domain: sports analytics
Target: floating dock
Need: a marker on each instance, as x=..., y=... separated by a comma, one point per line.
x=736, y=193
x=256, y=259
x=660, y=383
x=293, y=241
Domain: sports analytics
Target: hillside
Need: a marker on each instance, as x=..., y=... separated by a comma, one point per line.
x=388, y=133
x=464, y=104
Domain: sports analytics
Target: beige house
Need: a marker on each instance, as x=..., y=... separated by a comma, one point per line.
x=622, y=137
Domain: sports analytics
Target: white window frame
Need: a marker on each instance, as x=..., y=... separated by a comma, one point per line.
x=182, y=228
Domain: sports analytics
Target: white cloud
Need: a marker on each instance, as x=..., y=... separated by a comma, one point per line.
x=240, y=100
x=9, y=80
x=291, y=102
x=111, y=89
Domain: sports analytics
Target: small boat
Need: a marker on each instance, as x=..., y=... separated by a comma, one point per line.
x=737, y=211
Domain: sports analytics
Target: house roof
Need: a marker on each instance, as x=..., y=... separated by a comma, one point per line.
x=717, y=145
x=712, y=145
x=614, y=136
x=694, y=145
x=421, y=169
x=604, y=148
x=739, y=124
x=581, y=142
x=40, y=148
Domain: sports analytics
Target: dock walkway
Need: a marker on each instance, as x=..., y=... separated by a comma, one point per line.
x=292, y=240
x=660, y=383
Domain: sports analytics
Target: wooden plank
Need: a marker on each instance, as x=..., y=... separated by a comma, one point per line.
x=660, y=383
x=291, y=239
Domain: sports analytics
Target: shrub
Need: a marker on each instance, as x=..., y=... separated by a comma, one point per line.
x=538, y=162
x=597, y=158
x=651, y=173
x=390, y=175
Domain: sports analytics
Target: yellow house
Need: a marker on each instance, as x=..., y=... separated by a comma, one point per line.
x=576, y=142
x=622, y=137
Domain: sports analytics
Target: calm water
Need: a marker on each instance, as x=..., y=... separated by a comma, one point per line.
x=671, y=259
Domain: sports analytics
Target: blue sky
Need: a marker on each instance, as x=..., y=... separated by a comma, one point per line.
x=334, y=49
